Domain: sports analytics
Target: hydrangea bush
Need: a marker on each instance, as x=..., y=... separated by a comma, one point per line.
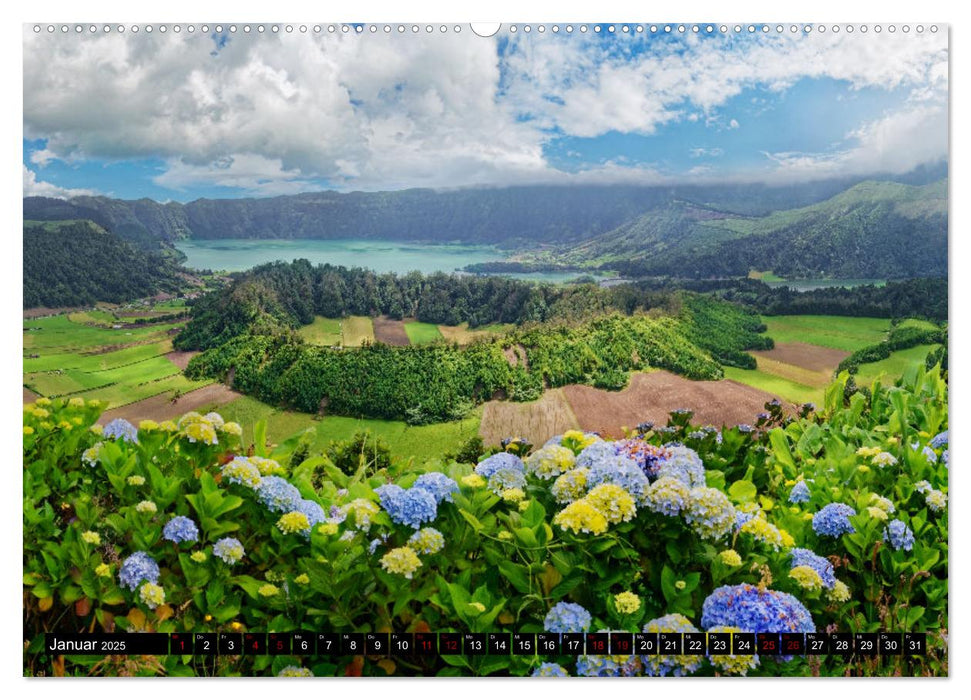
x=832, y=519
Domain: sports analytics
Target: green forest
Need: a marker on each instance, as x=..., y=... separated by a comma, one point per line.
x=77, y=263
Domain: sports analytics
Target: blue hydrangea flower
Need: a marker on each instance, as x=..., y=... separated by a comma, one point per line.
x=439, y=485
x=684, y=464
x=939, y=440
x=623, y=472
x=549, y=670
x=899, y=535
x=501, y=460
x=744, y=428
x=278, y=494
x=834, y=520
x=119, y=428
x=743, y=516
x=567, y=617
x=503, y=479
x=944, y=459
x=930, y=454
x=229, y=549
x=800, y=493
x=410, y=507
x=597, y=453
x=755, y=610
x=598, y=667
x=374, y=544
x=821, y=565
x=314, y=512
x=180, y=529
x=136, y=569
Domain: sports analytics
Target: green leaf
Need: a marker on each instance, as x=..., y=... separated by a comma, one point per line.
x=471, y=519
x=743, y=492
x=517, y=575
x=567, y=585
x=780, y=447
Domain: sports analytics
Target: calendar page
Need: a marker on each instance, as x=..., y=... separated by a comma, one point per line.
x=460, y=350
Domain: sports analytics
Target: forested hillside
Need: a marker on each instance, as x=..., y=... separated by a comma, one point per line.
x=872, y=230
x=78, y=263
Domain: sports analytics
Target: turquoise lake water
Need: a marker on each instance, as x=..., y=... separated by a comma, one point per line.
x=234, y=255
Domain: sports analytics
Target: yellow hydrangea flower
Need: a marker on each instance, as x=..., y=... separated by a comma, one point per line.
x=302, y=579
x=146, y=507
x=730, y=557
x=103, y=570
x=91, y=537
x=76, y=402
x=807, y=578
x=505, y=535
x=148, y=425
x=198, y=557
x=292, y=522
x=233, y=428
x=580, y=516
x=402, y=560
x=328, y=529
x=267, y=590
x=513, y=495
x=135, y=480
x=28, y=430
x=152, y=595
x=627, y=603
x=613, y=501
x=474, y=481
x=840, y=593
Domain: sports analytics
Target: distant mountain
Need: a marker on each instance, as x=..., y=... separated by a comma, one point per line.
x=879, y=230
x=513, y=217
x=75, y=263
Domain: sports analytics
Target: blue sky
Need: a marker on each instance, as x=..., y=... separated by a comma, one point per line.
x=181, y=117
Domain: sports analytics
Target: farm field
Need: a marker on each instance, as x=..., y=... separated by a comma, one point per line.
x=356, y=331
x=421, y=333
x=839, y=332
x=421, y=442
x=77, y=355
x=894, y=366
x=463, y=335
x=163, y=407
x=390, y=331
x=323, y=331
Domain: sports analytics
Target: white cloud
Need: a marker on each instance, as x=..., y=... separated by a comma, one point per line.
x=706, y=152
x=896, y=143
x=383, y=112
x=37, y=188
x=42, y=157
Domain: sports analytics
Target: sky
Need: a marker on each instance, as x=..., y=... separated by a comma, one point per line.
x=178, y=116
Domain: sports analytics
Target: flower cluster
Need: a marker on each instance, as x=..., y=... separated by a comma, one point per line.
x=600, y=452
x=767, y=533
x=293, y=522
x=242, y=471
x=684, y=464
x=137, y=568
x=799, y=493
x=823, y=567
x=410, y=507
x=295, y=672
x=550, y=461
x=627, y=603
x=646, y=456
x=622, y=472
x=667, y=496
x=180, y=529
x=899, y=535
x=614, y=502
x=833, y=520
x=362, y=509
x=936, y=500
x=277, y=494
x=570, y=486
x=402, y=560
x=939, y=440
x=549, y=670
x=505, y=480
x=229, y=549
x=709, y=513
x=120, y=429
x=580, y=516
x=567, y=617
x=439, y=485
x=501, y=460
x=884, y=459
x=807, y=578
x=755, y=609
x=428, y=540
x=152, y=595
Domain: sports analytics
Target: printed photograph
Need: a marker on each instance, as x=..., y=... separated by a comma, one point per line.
x=606, y=349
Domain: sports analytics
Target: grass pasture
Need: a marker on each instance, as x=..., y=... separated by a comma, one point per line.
x=894, y=366
x=422, y=333
x=422, y=441
x=323, y=331
x=779, y=386
x=93, y=362
x=356, y=331
x=839, y=332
